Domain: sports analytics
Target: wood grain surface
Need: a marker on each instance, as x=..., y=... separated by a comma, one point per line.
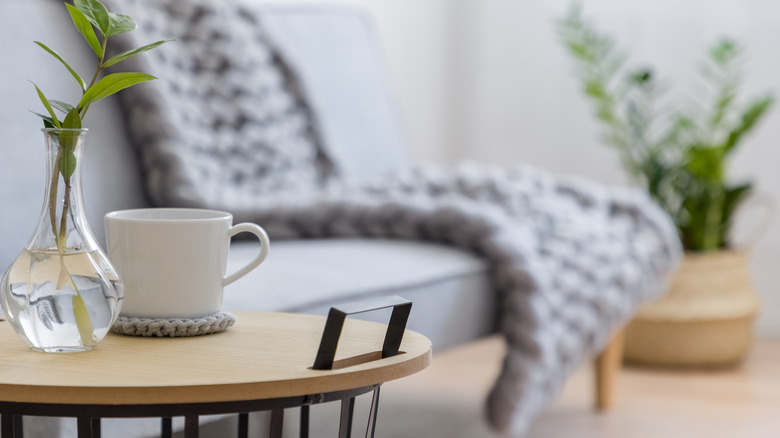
x=265, y=355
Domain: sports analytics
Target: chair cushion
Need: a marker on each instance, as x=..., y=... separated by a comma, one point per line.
x=453, y=300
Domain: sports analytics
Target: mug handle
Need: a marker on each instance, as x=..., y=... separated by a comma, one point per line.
x=247, y=227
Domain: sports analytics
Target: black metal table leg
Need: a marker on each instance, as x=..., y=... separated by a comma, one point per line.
x=7, y=425
x=90, y=426
x=243, y=425
x=345, y=424
x=166, y=427
x=84, y=427
x=18, y=426
x=96, y=428
x=277, y=423
x=371, y=428
x=304, y=432
x=191, y=426
x=11, y=426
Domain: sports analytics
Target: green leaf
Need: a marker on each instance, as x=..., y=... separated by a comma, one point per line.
x=48, y=122
x=111, y=84
x=725, y=51
x=72, y=120
x=72, y=72
x=68, y=138
x=752, y=115
x=706, y=162
x=48, y=106
x=594, y=88
x=96, y=13
x=62, y=106
x=67, y=163
x=733, y=197
x=85, y=28
x=124, y=55
x=83, y=322
x=722, y=106
x=641, y=76
x=119, y=24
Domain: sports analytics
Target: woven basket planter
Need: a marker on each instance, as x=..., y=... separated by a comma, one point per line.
x=705, y=319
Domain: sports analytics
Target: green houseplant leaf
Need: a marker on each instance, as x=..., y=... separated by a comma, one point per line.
x=48, y=107
x=754, y=112
x=681, y=158
x=59, y=58
x=124, y=55
x=85, y=28
x=67, y=163
x=72, y=120
x=733, y=196
x=119, y=24
x=48, y=122
x=95, y=12
x=62, y=106
x=68, y=140
x=83, y=321
x=111, y=84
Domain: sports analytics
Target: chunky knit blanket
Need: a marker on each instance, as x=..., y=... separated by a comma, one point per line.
x=227, y=126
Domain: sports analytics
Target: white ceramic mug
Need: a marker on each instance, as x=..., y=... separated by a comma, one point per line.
x=173, y=260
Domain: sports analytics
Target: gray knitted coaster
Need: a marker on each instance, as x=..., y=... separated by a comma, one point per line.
x=174, y=327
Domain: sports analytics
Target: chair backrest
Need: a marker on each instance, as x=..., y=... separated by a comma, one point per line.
x=336, y=54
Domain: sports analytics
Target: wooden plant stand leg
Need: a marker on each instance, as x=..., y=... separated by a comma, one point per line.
x=607, y=367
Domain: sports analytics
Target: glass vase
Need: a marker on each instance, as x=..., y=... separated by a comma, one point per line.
x=62, y=294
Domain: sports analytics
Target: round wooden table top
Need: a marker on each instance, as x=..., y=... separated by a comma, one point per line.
x=263, y=356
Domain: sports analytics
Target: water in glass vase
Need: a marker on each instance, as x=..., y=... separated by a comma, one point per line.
x=60, y=303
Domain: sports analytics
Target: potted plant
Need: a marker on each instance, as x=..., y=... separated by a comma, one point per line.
x=680, y=157
x=61, y=294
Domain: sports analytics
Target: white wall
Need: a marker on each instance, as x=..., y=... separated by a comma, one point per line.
x=416, y=38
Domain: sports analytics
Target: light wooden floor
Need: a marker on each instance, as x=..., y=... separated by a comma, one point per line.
x=446, y=400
